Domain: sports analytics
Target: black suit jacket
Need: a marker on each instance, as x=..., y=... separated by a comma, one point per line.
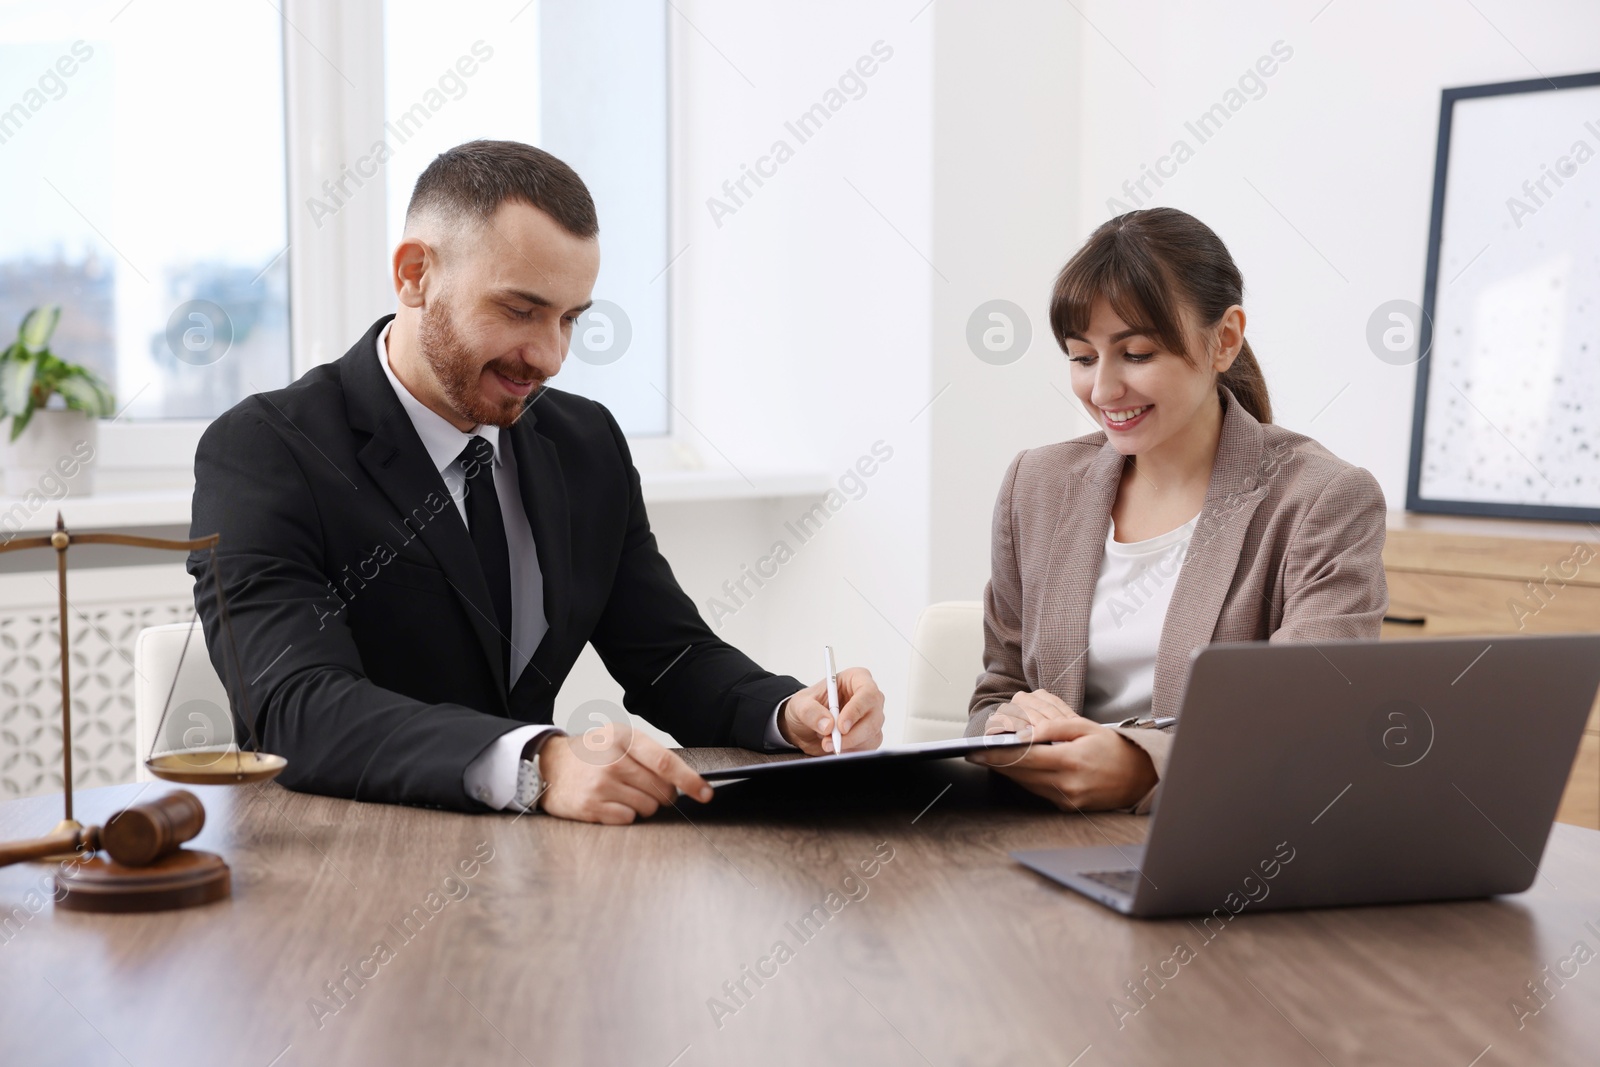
x=362, y=617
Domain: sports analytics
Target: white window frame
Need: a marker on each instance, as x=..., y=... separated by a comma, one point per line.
x=337, y=281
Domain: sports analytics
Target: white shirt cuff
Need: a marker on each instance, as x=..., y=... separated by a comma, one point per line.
x=775, y=738
x=491, y=778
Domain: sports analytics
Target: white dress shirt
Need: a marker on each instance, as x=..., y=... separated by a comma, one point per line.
x=491, y=778
x=1129, y=610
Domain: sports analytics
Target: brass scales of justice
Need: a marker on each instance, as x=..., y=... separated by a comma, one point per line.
x=146, y=867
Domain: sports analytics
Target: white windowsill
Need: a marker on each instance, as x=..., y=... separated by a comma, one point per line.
x=677, y=487
x=169, y=505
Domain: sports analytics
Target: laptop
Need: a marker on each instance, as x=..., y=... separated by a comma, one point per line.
x=1352, y=772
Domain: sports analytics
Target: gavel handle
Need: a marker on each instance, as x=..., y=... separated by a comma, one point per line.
x=87, y=838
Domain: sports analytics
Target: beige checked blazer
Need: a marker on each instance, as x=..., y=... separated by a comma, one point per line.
x=1289, y=547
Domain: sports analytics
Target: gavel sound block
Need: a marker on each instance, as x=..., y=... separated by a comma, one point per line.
x=147, y=869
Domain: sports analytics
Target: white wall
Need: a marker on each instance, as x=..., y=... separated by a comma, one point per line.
x=992, y=141
x=1036, y=104
x=1342, y=145
x=1006, y=144
x=803, y=325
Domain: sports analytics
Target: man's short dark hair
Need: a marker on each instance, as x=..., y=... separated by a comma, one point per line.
x=472, y=180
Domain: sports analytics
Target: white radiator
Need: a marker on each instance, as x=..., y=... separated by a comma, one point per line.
x=107, y=607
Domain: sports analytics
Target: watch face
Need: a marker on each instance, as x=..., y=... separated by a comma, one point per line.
x=529, y=784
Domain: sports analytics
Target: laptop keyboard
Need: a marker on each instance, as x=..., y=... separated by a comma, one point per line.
x=1123, y=881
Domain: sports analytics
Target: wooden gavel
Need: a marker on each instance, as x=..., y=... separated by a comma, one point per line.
x=134, y=837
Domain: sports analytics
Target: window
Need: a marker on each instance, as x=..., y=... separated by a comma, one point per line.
x=142, y=169
x=160, y=166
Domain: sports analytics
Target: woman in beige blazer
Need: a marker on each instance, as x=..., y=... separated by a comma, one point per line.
x=1189, y=518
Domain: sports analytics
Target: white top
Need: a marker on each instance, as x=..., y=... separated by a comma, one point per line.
x=1125, y=621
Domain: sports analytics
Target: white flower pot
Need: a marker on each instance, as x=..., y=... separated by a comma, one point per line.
x=53, y=458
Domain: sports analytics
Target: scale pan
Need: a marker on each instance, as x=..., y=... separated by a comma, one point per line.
x=200, y=767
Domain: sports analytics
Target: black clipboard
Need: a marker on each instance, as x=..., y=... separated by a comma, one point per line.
x=926, y=750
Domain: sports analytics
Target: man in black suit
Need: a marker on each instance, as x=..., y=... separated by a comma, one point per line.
x=420, y=538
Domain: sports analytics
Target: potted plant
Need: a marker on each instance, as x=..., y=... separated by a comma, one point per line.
x=51, y=446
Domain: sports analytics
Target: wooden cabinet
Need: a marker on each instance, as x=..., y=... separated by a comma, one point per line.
x=1461, y=575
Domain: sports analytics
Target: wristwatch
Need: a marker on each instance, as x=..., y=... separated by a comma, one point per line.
x=530, y=783
x=1149, y=722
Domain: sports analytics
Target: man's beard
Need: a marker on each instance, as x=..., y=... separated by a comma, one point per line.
x=459, y=373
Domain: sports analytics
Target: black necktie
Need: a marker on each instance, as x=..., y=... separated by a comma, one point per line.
x=488, y=529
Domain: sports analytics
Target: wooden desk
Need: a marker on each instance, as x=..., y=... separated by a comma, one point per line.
x=578, y=944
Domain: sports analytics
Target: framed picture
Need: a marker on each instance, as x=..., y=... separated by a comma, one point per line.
x=1507, y=417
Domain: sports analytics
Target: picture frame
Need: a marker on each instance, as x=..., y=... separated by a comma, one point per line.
x=1506, y=419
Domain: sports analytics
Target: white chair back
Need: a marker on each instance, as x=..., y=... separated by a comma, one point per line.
x=199, y=716
x=945, y=664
